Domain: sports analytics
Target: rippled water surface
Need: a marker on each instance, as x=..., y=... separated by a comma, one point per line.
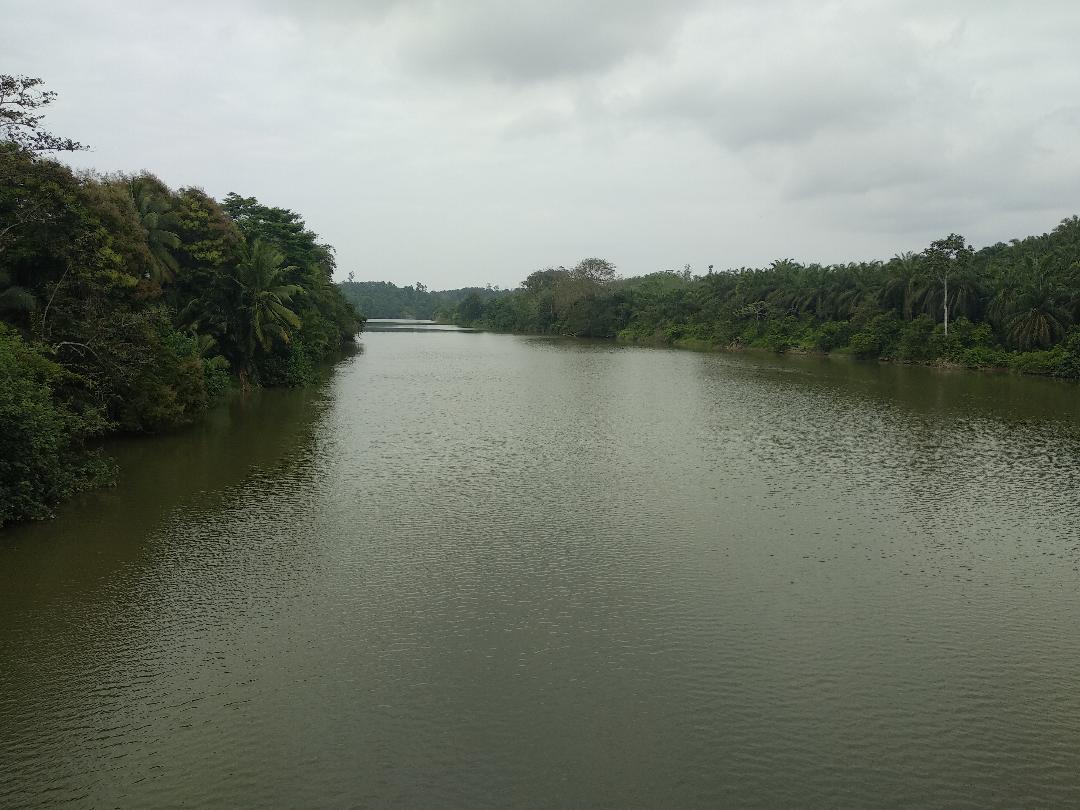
x=478, y=570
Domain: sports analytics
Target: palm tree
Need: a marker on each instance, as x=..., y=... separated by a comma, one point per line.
x=1039, y=318
x=798, y=293
x=896, y=292
x=155, y=216
x=1004, y=303
x=966, y=292
x=1072, y=284
x=861, y=290
x=266, y=318
x=822, y=294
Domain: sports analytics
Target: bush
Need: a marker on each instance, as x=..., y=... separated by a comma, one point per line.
x=865, y=344
x=984, y=357
x=777, y=342
x=915, y=341
x=1072, y=341
x=880, y=337
x=42, y=438
x=291, y=366
x=1055, y=362
x=218, y=378
x=831, y=335
x=963, y=335
x=166, y=387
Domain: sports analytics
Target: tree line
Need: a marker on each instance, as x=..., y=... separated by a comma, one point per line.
x=126, y=305
x=1014, y=305
x=384, y=299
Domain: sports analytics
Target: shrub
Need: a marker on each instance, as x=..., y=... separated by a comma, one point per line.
x=43, y=458
x=218, y=378
x=291, y=365
x=984, y=357
x=1055, y=362
x=915, y=341
x=777, y=342
x=831, y=335
x=167, y=387
x=880, y=337
x=865, y=344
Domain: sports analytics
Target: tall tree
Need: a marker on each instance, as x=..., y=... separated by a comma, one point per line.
x=943, y=258
x=265, y=298
x=156, y=216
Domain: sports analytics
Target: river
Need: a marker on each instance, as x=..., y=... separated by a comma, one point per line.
x=486, y=570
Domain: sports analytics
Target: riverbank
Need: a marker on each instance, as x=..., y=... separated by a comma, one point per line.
x=129, y=307
x=1057, y=364
x=1014, y=305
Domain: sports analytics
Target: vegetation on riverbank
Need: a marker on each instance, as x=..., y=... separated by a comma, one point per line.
x=384, y=299
x=126, y=305
x=1014, y=305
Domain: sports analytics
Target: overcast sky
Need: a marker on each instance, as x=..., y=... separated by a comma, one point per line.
x=463, y=142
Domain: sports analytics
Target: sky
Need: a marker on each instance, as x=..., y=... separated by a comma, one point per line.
x=470, y=142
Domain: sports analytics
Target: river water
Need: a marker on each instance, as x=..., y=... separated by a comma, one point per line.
x=486, y=570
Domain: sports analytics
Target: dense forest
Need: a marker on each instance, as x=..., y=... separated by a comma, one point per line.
x=1014, y=305
x=126, y=305
x=384, y=299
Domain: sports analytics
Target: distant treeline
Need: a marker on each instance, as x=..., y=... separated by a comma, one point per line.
x=383, y=299
x=1014, y=305
x=126, y=305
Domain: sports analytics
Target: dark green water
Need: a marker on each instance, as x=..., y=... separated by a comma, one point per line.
x=483, y=570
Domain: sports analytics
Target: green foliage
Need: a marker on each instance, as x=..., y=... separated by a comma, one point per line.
x=1055, y=362
x=916, y=340
x=984, y=357
x=1001, y=303
x=282, y=228
x=43, y=457
x=217, y=377
x=880, y=337
x=1039, y=316
x=383, y=299
x=154, y=207
x=830, y=335
x=865, y=344
x=45, y=225
x=293, y=366
x=127, y=306
x=167, y=386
